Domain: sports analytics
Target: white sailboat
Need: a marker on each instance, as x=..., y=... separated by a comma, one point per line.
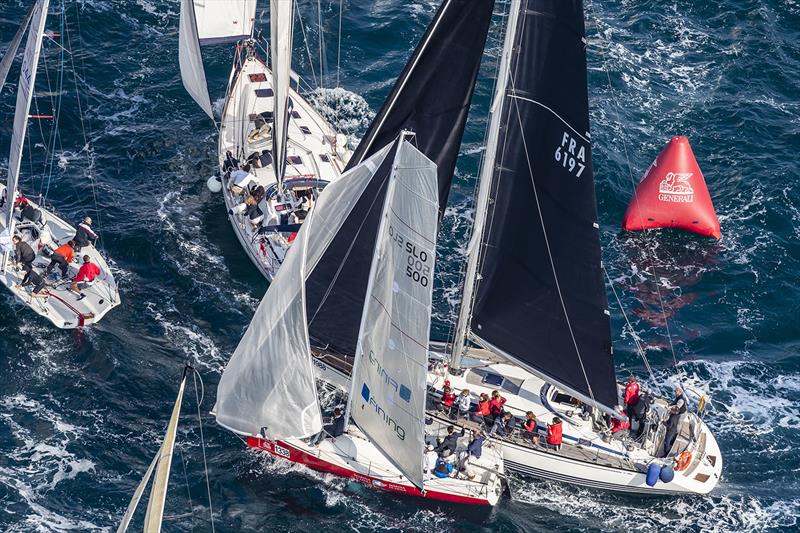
x=292, y=153
x=534, y=323
x=44, y=232
x=268, y=390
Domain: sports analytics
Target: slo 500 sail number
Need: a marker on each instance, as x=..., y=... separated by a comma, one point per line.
x=417, y=267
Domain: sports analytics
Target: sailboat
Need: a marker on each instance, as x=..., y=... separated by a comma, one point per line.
x=39, y=228
x=268, y=391
x=276, y=152
x=534, y=322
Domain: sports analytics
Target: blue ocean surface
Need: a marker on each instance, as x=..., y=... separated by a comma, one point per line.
x=83, y=412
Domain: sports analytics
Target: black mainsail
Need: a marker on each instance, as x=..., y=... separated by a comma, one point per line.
x=539, y=296
x=431, y=98
x=433, y=93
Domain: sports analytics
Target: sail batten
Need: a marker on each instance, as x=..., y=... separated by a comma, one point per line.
x=432, y=95
x=387, y=400
x=539, y=293
x=27, y=81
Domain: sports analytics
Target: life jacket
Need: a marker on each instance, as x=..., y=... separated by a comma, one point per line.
x=530, y=425
x=632, y=393
x=448, y=399
x=496, y=405
x=66, y=251
x=483, y=408
x=554, y=434
x=443, y=468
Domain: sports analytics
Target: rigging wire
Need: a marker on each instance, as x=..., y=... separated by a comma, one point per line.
x=618, y=122
x=308, y=48
x=188, y=491
x=199, y=396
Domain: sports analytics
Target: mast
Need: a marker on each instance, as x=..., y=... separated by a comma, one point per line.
x=27, y=81
x=281, y=12
x=474, y=248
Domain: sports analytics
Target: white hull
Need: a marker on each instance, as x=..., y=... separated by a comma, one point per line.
x=593, y=462
x=312, y=154
x=64, y=308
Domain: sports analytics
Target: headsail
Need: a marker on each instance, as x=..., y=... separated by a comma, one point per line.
x=11, y=51
x=387, y=399
x=540, y=297
x=191, y=60
x=27, y=80
x=433, y=93
x=269, y=382
x=280, y=20
x=224, y=21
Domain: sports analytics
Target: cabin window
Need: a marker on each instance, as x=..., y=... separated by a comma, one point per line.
x=264, y=93
x=305, y=129
x=258, y=77
x=324, y=158
x=294, y=160
x=494, y=380
x=295, y=115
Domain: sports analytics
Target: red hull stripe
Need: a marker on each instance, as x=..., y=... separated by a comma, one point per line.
x=287, y=451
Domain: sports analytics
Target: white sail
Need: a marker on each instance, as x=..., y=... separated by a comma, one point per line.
x=11, y=51
x=268, y=386
x=281, y=48
x=224, y=21
x=27, y=80
x=388, y=397
x=191, y=60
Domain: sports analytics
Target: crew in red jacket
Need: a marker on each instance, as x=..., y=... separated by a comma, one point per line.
x=554, y=433
x=86, y=274
x=618, y=426
x=631, y=397
x=496, y=404
x=448, y=399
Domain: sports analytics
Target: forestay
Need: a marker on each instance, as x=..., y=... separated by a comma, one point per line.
x=11, y=51
x=27, y=81
x=388, y=396
x=540, y=297
x=269, y=382
x=281, y=48
x=432, y=95
x=224, y=21
x=190, y=58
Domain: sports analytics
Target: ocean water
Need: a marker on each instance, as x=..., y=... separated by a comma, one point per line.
x=82, y=413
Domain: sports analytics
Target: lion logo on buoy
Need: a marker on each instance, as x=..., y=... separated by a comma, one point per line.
x=675, y=187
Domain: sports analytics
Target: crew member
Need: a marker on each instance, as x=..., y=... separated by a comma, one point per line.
x=23, y=253
x=504, y=425
x=530, y=427
x=482, y=411
x=450, y=442
x=444, y=467
x=619, y=428
x=448, y=399
x=84, y=236
x=334, y=429
x=62, y=257
x=675, y=409
x=554, y=433
x=463, y=403
x=86, y=274
x=240, y=179
x=36, y=281
x=631, y=397
x=496, y=405
x=230, y=163
x=429, y=460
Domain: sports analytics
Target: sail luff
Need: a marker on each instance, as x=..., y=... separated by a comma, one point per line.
x=474, y=248
x=281, y=12
x=190, y=58
x=158, y=493
x=11, y=51
x=27, y=81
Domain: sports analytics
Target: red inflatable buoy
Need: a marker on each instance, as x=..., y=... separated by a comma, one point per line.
x=673, y=194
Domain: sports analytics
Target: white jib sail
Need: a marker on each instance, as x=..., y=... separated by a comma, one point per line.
x=388, y=394
x=224, y=21
x=281, y=47
x=269, y=382
x=191, y=60
x=11, y=51
x=27, y=80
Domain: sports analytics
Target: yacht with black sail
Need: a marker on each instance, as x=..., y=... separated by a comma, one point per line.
x=61, y=301
x=534, y=322
x=275, y=152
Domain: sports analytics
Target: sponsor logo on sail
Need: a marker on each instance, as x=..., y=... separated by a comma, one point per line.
x=675, y=187
x=369, y=398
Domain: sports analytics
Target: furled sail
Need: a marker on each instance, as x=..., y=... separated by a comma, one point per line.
x=190, y=58
x=387, y=400
x=13, y=46
x=224, y=21
x=540, y=298
x=268, y=385
x=27, y=80
x=433, y=93
x=280, y=21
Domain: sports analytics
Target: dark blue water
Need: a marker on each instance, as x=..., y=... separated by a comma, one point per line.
x=81, y=414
